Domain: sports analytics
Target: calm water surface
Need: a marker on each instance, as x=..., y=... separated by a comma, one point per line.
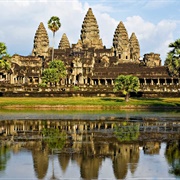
x=97, y=145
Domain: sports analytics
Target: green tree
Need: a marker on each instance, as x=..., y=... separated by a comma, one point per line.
x=54, y=73
x=126, y=132
x=54, y=25
x=4, y=57
x=54, y=138
x=172, y=61
x=172, y=155
x=50, y=76
x=60, y=68
x=4, y=157
x=126, y=84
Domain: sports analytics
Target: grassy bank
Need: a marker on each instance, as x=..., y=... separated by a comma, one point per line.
x=87, y=103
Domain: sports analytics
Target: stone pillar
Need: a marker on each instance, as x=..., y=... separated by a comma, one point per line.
x=145, y=81
x=69, y=80
x=158, y=81
x=85, y=81
x=91, y=82
x=81, y=80
x=152, y=83
x=172, y=81
x=105, y=81
x=12, y=79
x=112, y=82
x=23, y=80
x=99, y=82
x=165, y=81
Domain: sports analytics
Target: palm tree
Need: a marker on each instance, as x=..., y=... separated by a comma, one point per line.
x=54, y=25
x=172, y=61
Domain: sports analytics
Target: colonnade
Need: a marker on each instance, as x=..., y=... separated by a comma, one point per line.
x=72, y=126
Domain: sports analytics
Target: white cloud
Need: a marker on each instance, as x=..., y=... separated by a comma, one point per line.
x=21, y=19
x=152, y=37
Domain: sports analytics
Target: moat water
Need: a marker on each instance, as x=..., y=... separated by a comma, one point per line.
x=91, y=145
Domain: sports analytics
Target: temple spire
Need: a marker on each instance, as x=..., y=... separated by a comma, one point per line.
x=121, y=42
x=134, y=47
x=64, y=42
x=90, y=32
x=41, y=42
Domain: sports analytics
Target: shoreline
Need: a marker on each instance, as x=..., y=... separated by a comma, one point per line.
x=89, y=107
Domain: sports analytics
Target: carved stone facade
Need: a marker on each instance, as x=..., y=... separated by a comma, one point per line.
x=64, y=42
x=89, y=64
x=90, y=32
x=41, y=42
x=152, y=60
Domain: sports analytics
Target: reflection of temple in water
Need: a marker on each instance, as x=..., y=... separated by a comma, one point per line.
x=89, y=143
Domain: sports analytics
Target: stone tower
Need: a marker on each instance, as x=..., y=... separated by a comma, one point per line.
x=134, y=48
x=64, y=42
x=90, y=32
x=41, y=42
x=121, y=42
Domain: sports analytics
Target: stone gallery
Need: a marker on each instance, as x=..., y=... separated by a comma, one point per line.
x=90, y=65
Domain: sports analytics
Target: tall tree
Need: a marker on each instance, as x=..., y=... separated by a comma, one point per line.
x=126, y=84
x=4, y=57
x=172, y=61
x=54, y=25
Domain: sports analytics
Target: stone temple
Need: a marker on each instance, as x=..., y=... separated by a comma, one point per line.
x=90, y=65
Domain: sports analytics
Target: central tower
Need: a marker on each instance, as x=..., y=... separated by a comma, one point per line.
x=90, y=32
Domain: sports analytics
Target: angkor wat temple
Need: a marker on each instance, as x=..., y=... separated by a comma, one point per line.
x=90, y=65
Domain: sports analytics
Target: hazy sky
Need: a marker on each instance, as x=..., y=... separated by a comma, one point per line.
x=155, y=22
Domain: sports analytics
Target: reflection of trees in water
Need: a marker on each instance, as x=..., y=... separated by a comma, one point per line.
x=55, y=139
x=127, y=132
x=4, y=157
x=126, y=153
x=173, y=156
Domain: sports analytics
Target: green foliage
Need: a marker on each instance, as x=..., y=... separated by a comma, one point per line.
x=43, y=84
x=59, y=66
x=54, y=24
x=127, y=132
x=54, y=138
x=172, y=61
x=55, y=72
x=175, y=170
x=3, y=50
x=4, y=157
x=126, y=84
x=173, y=157
x=50, y=75
x=75, y=88
x=4, y=57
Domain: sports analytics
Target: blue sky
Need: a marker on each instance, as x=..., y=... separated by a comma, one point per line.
x=156, y=23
